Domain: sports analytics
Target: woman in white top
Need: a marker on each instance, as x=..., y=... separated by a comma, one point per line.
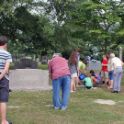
x=118, y=70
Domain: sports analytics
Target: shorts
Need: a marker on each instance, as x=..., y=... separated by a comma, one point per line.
x=111, y=75
x=4, y=90
x=74, y=75
x=88, y=87
x=104, y=74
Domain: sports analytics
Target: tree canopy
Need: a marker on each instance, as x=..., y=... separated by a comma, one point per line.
x=37, y=27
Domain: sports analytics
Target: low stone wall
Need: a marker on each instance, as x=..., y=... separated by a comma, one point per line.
x=29, y=79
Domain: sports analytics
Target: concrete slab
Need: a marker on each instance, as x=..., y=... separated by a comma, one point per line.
x=105, y=101
x=29, y=79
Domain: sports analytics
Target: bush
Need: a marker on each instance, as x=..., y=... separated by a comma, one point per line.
x=43, y=66
x=26, y=63
x=12, y=66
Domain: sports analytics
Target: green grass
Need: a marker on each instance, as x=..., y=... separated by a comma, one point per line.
x=34, y=107
x=43, y=66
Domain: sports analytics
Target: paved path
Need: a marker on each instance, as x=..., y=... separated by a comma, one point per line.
x=29, y=79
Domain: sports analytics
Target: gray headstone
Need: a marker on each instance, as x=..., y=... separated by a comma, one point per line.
x=94, y=65
x=29, y=79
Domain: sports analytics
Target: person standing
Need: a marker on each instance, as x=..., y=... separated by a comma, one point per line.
x=77, y=53
x=5, y=59
x=73, y=65
x=104, y=70
x=60, y=74
x=118, y=71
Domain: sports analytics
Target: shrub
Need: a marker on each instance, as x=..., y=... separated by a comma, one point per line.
x=43, y=66
x=12, y=66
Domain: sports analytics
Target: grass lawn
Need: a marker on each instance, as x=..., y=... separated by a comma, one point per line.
x=34, y=107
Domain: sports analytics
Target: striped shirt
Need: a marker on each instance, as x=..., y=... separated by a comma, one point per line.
x=5, y=56
x=58, y=67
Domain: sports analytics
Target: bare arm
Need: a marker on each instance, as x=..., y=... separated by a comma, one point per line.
x=5, y=70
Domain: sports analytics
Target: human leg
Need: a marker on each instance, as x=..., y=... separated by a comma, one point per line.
x=76, y=82
x=4, y=95
x=119, y=77
x=65, y=91
x=115, y=82
x=111, y=79
x=94, y=80
x=103, y=77
x=106, y=79
x=56, y=93
x=73, y=87
x=3, y=108
x=110, y=84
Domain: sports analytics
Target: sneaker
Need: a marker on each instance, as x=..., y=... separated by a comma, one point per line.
x=10, y=90
x=115, y=92
x=56, y=108
x=63, y=108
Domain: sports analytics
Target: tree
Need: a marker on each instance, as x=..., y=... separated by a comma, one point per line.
x=61, y=25
x=25, y=29
x=96, y=23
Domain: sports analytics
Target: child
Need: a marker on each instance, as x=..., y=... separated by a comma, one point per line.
x=5, y=59
x=95, y=78
x=87, y=81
